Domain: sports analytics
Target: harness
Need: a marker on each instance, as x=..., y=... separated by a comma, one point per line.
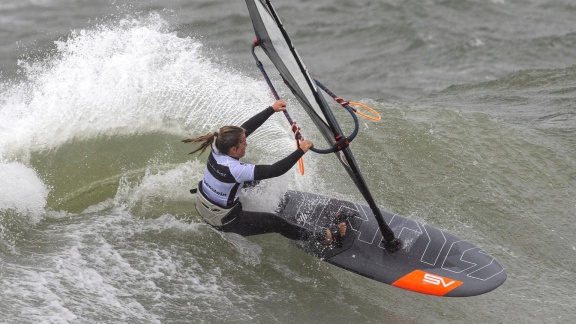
x=213, y=214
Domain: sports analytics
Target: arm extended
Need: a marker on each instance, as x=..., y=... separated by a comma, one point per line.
x=277, y=169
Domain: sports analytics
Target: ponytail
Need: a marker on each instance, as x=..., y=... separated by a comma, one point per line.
x=225, y=139
x=205, y=141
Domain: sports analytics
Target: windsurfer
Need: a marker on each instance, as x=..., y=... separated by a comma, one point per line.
x=217, y=199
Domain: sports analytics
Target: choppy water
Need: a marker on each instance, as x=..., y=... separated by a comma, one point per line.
x=96, y=222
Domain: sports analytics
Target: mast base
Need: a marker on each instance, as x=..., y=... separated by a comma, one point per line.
x=393, y=246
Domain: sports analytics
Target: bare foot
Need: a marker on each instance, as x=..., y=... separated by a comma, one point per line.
x=328, y=238
x=341, y=229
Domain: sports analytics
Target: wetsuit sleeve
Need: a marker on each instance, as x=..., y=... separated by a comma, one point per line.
x=257, y=120
x=277, y=169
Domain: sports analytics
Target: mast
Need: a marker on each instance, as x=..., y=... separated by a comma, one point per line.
x=274, y=40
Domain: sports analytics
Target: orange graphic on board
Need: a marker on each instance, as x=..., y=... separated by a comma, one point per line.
x=427, y=283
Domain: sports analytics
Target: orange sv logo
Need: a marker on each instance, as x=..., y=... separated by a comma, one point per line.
x=427, y=283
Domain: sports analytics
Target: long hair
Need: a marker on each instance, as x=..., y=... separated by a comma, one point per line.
x=226, y=138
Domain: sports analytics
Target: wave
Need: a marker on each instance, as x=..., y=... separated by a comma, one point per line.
x=111, y=101
x=134, y=77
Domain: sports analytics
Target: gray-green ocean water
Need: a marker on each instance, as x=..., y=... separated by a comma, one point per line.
x=477, y=137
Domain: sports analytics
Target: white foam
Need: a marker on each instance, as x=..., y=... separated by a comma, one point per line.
x=129, y=78
x=22, y=191
x=173, y=183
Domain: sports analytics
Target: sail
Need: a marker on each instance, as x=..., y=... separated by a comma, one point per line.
x=274, y=40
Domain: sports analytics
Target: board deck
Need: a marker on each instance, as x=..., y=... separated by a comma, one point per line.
x=431, y=262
